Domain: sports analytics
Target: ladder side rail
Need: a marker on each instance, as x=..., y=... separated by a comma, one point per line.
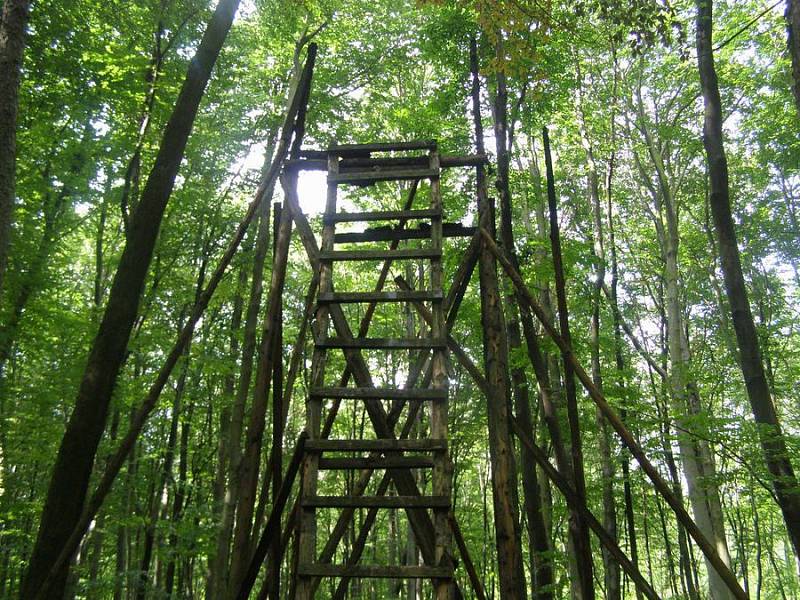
x=308, y=516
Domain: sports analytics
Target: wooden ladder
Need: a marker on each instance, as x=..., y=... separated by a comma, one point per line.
x=390, y=451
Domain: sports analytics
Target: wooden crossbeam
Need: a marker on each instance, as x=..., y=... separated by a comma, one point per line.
x=317, y=160
x=387, y=234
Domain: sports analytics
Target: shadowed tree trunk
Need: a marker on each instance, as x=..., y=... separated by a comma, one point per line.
x=539, y=542
x=73, y=466
x=610, y=566
x=793, y=34
x=12, y=44
x=495, y=354
x=773, y=443
x=583, y=546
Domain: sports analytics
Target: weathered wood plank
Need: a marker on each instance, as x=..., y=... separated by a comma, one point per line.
x=387, y=234
x=345, y=150
x=401, y=296
x=344, y=463
x=365, y=393
x=381, y=215
x=383, y=445
x=376, y=501
x=364, y=177
x=374, y=571
x=316, y=160
x=407, y=253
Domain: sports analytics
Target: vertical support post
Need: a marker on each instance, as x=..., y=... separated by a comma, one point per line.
x=277, y=421
x=308, y=517
x=439, y=409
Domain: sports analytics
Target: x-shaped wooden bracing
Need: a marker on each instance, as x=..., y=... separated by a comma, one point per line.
x=382, y=422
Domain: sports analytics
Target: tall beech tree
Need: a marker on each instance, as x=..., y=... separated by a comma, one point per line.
x=13, y=22
x=73, y=466
x=793, y=38
x=773, y=444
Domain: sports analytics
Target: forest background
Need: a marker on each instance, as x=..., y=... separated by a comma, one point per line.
x=98, y=158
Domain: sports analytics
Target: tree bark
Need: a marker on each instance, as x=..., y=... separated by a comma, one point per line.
x=772, y=441
x=696, y=456
x=12, y=45
x=236, y=426
x=581, y=541
x=539, y=542
x=793, y=34
x=73, y=465
x=611, y=569
x=249, y=469
x=495, y=354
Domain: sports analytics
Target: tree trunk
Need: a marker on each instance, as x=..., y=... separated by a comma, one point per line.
x=610, y=567
x=73, y=466
x=218, y=558
x=695, y=452
x=539, y=542
x=619, y=363
x=251, y=460
x=495, y=354
x=12, y=44
x=546, y=369
x=581, y=541
x=793, y=35
x=773, y=443
x=234, y=433
x=178, y=501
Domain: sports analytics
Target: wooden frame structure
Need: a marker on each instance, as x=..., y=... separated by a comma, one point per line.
x=391, y=450
x=396, y=455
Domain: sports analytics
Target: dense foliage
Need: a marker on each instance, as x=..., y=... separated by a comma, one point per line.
x=617, y=85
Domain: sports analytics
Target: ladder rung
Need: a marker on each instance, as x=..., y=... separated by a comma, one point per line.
x=373, y=393
x=381, y=215
x=361, y=149
x=383, y=343
x=401, y=296
x=405, y=253
x=374, y=571
x=344, y=463
x=361, y=177
x=423, y=445
x=391, y=234
x=376, y=501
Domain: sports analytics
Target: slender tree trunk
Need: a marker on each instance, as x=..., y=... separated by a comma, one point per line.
x=278, y=425
x=610, y=567
x=793, y=34
x=696, y=457
x=249, y=469
x=583, y=547
x=234, y=434
x=539, y=543
x=12, y=44
x=495, y=353
x=619, y=362
x=73, y=466
x=178, y=502
x=546, y=369
x=776, y=456
x=218, y=560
